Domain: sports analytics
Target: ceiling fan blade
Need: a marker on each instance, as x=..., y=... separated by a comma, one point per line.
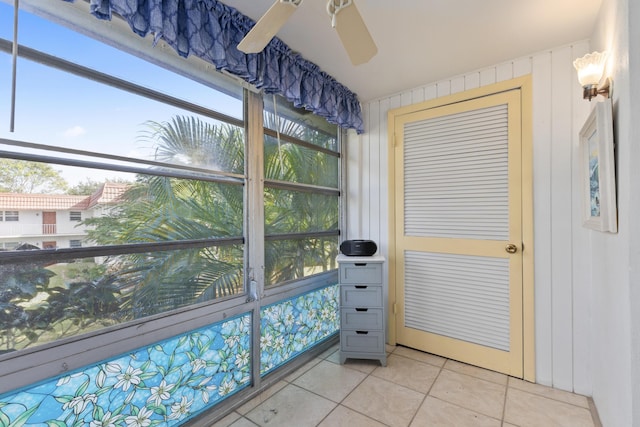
x=267, y=26
x=354, y=35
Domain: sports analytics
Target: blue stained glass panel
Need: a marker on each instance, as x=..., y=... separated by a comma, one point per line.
x=163, y=384
x=288, y=328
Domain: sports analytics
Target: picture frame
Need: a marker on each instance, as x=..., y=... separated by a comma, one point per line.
x=598, y=169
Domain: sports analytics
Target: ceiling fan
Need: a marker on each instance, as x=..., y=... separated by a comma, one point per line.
x=345, y=18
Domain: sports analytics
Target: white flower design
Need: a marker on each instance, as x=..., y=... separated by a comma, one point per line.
x=279, y=343
x=232, y=340
x=130, y=378
x=113, y=368
x=79, y=403
x=180, y=409
x=198, y=364
x=242, y=359
x=289, y=319
x=226, y=387
x=101, y=378
x=160, y=393
x=108, y=420
x=265, y=341
x=143, y=419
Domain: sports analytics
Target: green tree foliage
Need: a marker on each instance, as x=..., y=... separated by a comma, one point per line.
x=19, y=176
x=298, y=211
x=65, y=299
x=159, y=209
x=38, y=304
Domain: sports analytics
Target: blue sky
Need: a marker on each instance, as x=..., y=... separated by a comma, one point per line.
x=60, y=109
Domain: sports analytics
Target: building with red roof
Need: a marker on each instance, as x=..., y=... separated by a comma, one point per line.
x=52, y=220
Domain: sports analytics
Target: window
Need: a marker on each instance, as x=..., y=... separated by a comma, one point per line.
x=301, y=163
x=162, y=192
x=160, y=199
x=11, y=216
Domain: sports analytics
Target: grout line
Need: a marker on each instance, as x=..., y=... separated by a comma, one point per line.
x=339, y=404
x=440, y=369
x=504, y=402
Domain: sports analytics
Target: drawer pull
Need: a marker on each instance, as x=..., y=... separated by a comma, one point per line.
x=362, y=332
x=362, y=309
x=361, y=287
x=360, y=264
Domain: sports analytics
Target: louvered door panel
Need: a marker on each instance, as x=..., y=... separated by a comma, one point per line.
x=456, y=169
x=458, y=296
x=458, y=194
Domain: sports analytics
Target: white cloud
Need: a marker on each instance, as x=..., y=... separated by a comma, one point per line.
x=74, y=132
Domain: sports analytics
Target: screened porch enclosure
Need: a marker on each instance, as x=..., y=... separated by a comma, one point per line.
x=197, y=220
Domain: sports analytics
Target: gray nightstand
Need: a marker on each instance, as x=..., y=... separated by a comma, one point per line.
x=362, y=308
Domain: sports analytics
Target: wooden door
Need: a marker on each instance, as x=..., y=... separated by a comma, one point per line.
x=458, y=231
x=48, y=223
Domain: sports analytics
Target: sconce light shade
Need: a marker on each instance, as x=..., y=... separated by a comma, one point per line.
x=590, y=70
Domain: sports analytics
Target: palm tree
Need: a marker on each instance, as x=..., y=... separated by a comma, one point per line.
x=159, y=208
x=289, y=211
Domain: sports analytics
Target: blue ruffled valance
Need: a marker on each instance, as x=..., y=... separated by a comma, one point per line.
x=211, y=30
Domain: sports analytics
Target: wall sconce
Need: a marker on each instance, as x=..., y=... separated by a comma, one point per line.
x=590, y=70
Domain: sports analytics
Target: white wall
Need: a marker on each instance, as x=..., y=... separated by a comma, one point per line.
x=615, y=267
x=562, y=246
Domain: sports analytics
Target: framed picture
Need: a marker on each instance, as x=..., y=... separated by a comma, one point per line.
x=598, y=169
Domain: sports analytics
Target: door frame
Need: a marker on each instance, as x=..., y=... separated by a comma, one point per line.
x=524, y=85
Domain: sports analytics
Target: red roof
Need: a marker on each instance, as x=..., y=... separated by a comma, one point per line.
x=107, y=193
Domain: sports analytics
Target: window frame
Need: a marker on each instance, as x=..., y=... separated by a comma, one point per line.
x=78, y=351
x=12, y=216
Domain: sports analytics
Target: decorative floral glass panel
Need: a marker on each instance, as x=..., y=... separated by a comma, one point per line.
x=163, y=384
x=290, y=327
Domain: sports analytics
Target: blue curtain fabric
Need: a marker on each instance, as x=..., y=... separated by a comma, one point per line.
x=211, y=30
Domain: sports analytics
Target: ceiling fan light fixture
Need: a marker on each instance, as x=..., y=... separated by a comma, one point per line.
x=345, y=18
x=267, y=26
x=335, y=6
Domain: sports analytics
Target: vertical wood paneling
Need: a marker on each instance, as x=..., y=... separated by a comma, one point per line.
x=457, y=85
x=472, y=81
x=522, y=67
x=406, y=98
x=384, y=173
x=354, y=174
x=430, y=92
x=383, y=233
x=443, y=88
x=365, y=178
x=561, y=298
x=582, y=289
x=373, y=190
x=417, y=95
x=561, y=218
x=541, y=74
x=487, y=76
x=504, y=71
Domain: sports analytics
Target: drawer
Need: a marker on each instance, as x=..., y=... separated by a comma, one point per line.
x=360, y=272
x=361, y=318
x=362, y=341
x=360, y=296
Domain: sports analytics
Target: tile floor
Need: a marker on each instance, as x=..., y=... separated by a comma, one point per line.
x=415, y=389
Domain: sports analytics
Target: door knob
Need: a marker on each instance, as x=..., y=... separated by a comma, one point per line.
x=511, y=248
